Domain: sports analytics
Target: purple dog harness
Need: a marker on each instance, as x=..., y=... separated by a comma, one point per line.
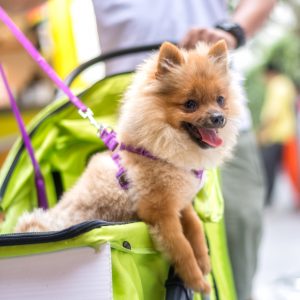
x=108, y=137
x=110, y=140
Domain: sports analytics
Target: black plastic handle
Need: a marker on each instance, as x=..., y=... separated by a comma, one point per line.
x=107, y=56
x=175, y=288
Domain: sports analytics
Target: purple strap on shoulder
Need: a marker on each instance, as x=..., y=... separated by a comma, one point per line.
x=110, y=141
x=121, y=174
x=39, y=59
x=39, y=180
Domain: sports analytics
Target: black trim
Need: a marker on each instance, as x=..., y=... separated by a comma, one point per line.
x=175, y=288
x=15, y=239
x=107, y=56
x=57, y=180
x=215, y=287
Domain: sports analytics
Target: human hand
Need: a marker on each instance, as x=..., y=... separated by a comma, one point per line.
x=209, y=35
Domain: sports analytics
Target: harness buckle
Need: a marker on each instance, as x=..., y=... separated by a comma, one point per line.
x=109, y=138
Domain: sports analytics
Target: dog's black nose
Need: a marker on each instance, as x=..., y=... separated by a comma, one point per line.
x=217, y=120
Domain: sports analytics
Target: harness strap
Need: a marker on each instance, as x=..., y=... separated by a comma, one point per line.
x=121, y=173
x=137, y=150
x=39, y=180
x=198, y=173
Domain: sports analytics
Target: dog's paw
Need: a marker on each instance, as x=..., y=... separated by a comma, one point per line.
x=199, y=285
x=194, y=279
x=204, y=264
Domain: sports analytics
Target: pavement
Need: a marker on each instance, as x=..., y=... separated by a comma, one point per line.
x=278, y=273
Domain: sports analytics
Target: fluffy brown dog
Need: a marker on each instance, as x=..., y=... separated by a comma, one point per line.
x=182, y=107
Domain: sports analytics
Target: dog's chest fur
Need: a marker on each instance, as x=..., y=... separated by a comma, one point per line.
x=160, y=180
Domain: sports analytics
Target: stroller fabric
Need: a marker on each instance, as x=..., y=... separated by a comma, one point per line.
x=63, y=144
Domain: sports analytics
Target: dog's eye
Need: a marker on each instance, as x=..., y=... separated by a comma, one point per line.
x=221, y=100
x=191, y=105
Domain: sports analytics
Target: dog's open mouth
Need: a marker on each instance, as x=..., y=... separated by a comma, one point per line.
x=204, y=137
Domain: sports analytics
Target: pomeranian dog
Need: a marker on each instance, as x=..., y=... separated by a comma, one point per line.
x=178, y=118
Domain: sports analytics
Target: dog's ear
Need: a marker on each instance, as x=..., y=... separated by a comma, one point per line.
x=169, y=57
x=219, y=53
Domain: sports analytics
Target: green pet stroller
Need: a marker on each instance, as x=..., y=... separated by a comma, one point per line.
x=95, y=259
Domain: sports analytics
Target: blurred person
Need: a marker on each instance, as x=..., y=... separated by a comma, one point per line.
x=125, y=24
x=277, y=123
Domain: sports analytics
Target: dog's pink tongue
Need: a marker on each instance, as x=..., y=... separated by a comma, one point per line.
x=210, y=137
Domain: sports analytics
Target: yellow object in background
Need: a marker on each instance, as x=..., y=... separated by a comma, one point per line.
x=60, y=23
x=278, y=116
x=69, y=22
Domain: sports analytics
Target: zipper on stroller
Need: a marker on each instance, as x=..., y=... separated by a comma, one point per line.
x=14, y=239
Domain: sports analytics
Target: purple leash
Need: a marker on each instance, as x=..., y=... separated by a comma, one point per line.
x=38, y=177
x=108, y=138
x=39, y=59
x=84, y=111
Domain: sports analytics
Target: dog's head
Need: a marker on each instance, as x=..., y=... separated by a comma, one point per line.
x=183, y=106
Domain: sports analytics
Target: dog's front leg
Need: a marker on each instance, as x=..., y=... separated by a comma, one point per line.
x=166, y=230
x=194, y=232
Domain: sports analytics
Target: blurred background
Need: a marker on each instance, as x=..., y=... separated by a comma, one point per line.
x=65, y=32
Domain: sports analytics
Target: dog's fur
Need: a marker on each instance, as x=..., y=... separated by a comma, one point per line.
x=161, y=191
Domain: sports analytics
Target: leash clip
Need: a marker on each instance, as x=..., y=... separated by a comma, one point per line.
x=108, y=136
x=88, y=114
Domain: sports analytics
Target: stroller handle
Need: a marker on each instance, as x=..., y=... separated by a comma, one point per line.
x=107, y=56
